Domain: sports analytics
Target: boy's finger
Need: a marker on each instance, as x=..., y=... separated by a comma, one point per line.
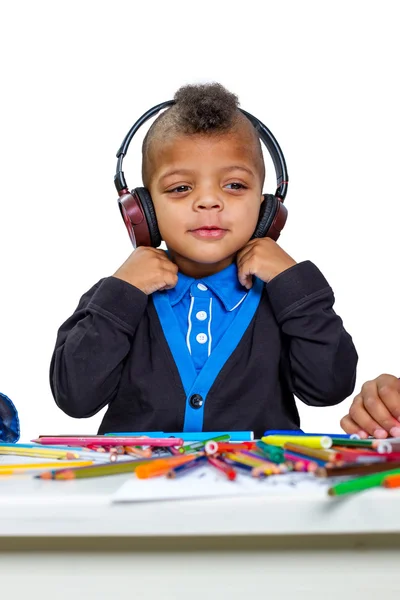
x=390, y=395
x=359, y=415
x=375, y=407
x=350, y=426
x=245, y=277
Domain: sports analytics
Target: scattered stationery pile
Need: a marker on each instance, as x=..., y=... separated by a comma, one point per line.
x=359, y=464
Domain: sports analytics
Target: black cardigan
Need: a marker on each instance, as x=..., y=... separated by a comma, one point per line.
x=112, y=350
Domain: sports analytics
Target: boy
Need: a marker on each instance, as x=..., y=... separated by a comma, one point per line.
x=376, y=409
x=218, y=332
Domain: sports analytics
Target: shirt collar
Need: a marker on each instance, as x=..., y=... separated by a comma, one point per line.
x=225, y=285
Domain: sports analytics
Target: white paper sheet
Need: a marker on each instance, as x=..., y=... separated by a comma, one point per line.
x=207, y=483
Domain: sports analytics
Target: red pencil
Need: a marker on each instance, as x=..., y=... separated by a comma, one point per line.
x=223, y=467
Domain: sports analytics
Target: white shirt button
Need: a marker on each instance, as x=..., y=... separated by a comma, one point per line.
x=201, y=338
x=202, y=287
x=201, y=315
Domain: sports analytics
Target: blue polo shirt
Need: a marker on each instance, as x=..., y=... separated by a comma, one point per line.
x=205, y=308
x=203, y=321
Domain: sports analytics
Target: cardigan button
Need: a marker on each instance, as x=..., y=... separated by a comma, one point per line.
x=196, y=401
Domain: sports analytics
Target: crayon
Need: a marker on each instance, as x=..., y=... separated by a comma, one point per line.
x=360, y=483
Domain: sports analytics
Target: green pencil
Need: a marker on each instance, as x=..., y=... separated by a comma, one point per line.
x=359, y=484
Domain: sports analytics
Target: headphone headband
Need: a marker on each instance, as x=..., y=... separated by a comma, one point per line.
x=282, y=177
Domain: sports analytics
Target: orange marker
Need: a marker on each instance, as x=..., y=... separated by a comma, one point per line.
x=392, y=481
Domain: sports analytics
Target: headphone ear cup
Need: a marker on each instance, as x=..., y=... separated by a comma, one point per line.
x=150, y=215
x=272, y=218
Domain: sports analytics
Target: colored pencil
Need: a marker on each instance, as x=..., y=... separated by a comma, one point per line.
x=223, y=467
x=62, y=454
x=186, y=468
x=309, y=464
x=18, y=467
x=101, y=440
x=162, y=465
x=356, y=469
x=99, y=470
x=318, y=453
x=360, y=483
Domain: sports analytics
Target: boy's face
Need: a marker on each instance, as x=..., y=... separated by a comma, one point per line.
x=206, y=191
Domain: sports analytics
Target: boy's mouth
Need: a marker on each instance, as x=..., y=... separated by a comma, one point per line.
x=208, y=231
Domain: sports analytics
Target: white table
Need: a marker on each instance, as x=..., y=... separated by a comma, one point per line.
x=65, y=539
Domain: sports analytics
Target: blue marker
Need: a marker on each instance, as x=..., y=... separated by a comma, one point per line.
x=343, y=436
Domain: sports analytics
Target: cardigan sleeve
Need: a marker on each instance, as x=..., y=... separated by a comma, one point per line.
x=92, y=345
x=320, y=359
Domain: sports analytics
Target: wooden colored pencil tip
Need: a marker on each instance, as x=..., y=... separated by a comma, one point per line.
x=46, y=475
x=331, y=492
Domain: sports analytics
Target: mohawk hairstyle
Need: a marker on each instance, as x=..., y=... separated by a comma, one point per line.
x=199, y=109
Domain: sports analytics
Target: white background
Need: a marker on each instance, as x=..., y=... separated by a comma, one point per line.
x=323, y=76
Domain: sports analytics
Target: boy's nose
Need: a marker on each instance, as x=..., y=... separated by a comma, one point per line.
x=208, y=201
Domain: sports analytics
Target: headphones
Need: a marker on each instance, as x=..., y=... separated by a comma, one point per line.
x=137, y=207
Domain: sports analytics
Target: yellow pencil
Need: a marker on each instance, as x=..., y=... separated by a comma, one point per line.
x=9, y=468
x=38, y=453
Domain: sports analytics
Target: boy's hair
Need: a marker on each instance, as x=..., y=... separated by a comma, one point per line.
x=199, y=109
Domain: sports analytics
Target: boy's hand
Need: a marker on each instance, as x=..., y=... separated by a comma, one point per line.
x=376, y=409
x=264, y=258
x=149, y=269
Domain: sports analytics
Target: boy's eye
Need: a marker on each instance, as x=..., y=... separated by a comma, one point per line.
x=236, y=186
x=180, y=188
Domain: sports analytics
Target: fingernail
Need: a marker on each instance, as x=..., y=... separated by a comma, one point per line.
x=395, y=432
x=380, y=433
x=362, y=434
